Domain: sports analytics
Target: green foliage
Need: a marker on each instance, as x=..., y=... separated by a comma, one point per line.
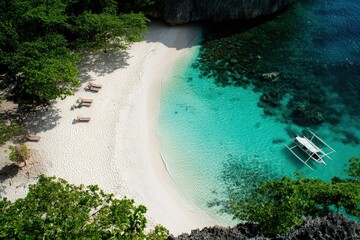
x=19, y=153
x=101, y=31
x=47, y=66
x=55, y=209
x=353, y=169
x=279, y=205
x=78, y=7
x=134, y=26
x=38, y=37
x=33, y=18
x=137, y=5
x=8, y=130
x=159, y=233
x=8, y=38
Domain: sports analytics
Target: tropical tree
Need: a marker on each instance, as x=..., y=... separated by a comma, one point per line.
x=55, y=209
x=280, y=205
x=159, y=233
x=353, y=169
x=8, y=130
x=8, y=39
x=44, y=68
x=78, y=7
x=34, y=18
x=137, y=5
x=38, y=39
x=102, y=31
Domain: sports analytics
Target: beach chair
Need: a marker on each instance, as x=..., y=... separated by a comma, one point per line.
x=92, y=89
x=33, y=138
x=84, y=100
x=94, y=85
x=85, y=104
x=83, y=119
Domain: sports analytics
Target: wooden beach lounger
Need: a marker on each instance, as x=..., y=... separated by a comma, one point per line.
x=94, y=85
x=92, y=89
x=84, y=100
x=85, y=104
x=83, y=119
x=33, y=138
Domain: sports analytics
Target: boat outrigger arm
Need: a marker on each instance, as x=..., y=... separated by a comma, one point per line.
x=314, y=152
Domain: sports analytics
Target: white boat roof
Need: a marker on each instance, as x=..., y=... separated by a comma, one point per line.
x=308, y=144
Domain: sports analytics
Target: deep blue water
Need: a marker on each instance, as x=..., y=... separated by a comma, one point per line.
x=214, y=137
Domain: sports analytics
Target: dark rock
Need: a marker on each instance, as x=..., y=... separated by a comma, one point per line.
x=240, y=231
x=271, y=97
x=304, y=113
x=332, y=226
x=183, y=11
x=350, y=138
x=278, y=140
x=317, y=118
x=269, y=111
x=271, y=76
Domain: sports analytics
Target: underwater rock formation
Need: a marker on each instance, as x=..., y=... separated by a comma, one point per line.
x=183, y=11
x=332, y=226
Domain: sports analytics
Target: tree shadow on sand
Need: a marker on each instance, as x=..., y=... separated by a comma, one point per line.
x=34, y=118
x=41, y=117
x=101, y=64
x=9, y=171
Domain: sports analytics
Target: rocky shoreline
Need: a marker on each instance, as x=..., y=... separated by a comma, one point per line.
x=332, y=226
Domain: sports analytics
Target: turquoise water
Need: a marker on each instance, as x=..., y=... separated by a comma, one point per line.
x=214, y=138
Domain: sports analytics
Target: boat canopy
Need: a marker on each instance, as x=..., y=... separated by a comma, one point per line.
x=308, y=144
x=313, y=151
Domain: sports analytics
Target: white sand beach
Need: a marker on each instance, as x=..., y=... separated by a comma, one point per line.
x=118, y=148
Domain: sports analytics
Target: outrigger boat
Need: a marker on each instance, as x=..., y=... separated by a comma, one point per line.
x=313, y=151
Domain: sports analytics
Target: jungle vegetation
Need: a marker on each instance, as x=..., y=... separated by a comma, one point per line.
x=41, y=43
x=279, y=205
x=40, y=40
x=56, y=209
x=53, y=208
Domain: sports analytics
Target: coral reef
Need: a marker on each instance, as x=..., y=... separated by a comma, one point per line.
x=278, y=58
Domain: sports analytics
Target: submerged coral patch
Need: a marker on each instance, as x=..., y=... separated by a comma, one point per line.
x=285, y=56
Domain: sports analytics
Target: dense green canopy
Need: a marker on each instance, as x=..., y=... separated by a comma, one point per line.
x=281, y=204
x=8, y=129
x=39, y=40
x=55, y=209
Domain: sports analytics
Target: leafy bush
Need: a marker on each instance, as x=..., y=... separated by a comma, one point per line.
x=19, y=153
x=55, y=209
x=281, y=204
x=38, y=39
x=8, y=130
x=353, y=169
x=159, y=233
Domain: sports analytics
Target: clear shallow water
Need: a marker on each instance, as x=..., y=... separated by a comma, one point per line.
x=214, y=136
